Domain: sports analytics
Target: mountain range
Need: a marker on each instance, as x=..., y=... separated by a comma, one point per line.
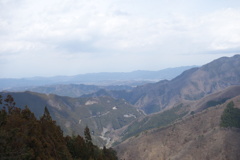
x=191, y=85
x=106, y=78
x=197, y=136
x=71, y=90
x=177, y=112
x=170, y=119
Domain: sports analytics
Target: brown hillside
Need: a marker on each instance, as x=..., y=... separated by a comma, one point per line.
x=191, y=85
x=197, y=137
x=216, y=98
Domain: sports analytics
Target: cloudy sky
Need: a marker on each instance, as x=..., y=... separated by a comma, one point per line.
x=69, y=37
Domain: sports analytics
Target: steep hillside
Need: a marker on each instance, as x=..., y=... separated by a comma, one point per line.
x=197, y=137
x=215, y=98
x=102, y=114
x=191, y=85
x=162, y=119
x=179, y=111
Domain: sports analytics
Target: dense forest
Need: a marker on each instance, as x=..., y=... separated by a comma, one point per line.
x=230, y=116
x=23, y=136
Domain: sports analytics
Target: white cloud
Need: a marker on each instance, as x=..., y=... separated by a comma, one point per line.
x=89, y=36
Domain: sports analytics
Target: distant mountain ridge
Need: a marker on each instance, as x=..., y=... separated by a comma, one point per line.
x=70, y=90
x=116, y=114
x=107, y=78
x=191, y=85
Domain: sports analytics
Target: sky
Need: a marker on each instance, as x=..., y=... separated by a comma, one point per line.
x=70, y=37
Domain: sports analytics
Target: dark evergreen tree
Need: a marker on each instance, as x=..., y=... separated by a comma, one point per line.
x=23, y=136
x=9, y=103
x=88, y=141
x=88, y=137
x=230, y=116
x=77, y=147
x=46, y=115
x=0, y=99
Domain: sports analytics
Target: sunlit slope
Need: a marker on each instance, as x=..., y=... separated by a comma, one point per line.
x=198, y=136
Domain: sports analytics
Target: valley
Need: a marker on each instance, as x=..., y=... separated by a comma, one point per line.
x=191, y=85
x=102, y=115
x=197, y=136
x=175, y=118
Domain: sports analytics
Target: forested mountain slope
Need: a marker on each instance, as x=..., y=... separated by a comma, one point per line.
x=198, y=136
x=191, y=85
x=23, y=136
x=177, y=112
x=101, y=114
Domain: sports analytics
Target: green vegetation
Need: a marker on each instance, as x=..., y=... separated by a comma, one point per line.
x=152, y=109
x=217, y=102
x=74, y=114
x=192, y=113
x=230, y=116
x=23, y=136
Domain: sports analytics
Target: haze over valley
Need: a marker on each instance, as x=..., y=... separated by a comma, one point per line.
x=125, y=116
x=118, y=79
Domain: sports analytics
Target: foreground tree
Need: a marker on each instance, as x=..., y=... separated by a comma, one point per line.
x=23, y=136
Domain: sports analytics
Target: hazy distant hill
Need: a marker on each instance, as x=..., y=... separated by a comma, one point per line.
x=102, y=114
x=198, y=136
x=139, y=75
x=191, y=85
x=108, y=112
x=71, y=90
x=114, y=78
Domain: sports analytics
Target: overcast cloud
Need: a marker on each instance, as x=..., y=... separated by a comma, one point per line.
x=68, y=37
